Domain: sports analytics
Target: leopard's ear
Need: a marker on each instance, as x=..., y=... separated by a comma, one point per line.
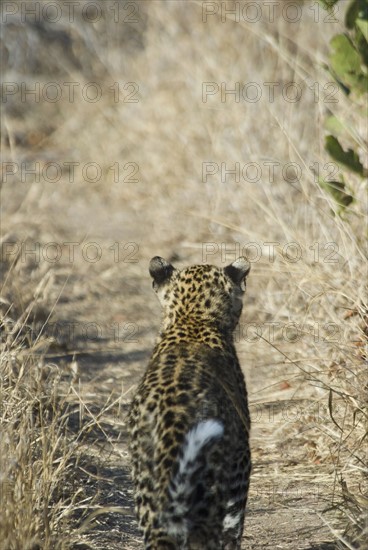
x=238, y=271
x=160, y=270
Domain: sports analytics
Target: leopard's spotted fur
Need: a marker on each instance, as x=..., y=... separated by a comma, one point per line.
x=189, y=420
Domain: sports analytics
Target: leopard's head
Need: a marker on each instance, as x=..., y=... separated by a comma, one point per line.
x=200, y=293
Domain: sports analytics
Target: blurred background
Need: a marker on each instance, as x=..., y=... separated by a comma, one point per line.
x=198, y=131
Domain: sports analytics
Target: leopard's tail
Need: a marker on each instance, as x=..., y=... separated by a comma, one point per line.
x=192, y=463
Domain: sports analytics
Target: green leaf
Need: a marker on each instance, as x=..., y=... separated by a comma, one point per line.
x=337, y=191
x=357, y=8
x=363, y=26
x=345, y=58
x=347, y=158
x=346, y=63
x=334, y=125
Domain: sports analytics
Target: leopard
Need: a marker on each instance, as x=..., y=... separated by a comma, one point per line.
x=189, y=420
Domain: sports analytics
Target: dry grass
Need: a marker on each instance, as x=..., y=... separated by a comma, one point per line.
x=52, y=415
x=35, y=452
x=48, y=487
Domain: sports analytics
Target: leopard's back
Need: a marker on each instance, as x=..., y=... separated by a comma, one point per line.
x=189, y=420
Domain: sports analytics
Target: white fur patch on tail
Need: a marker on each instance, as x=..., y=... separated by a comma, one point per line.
x=181, y=488
x=197, y=438
x=231, y=521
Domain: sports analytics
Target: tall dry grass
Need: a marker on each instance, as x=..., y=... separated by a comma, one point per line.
x=35, y=450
